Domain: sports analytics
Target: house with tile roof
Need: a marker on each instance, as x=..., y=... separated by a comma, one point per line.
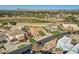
x=16, y=34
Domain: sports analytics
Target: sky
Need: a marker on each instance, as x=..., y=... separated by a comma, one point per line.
x=43, y=7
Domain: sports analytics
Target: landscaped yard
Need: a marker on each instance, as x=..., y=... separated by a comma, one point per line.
x=57, y=34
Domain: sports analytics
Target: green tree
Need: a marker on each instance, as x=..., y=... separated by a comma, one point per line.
x=4, y=23
x=72, y=19
x=13, y=23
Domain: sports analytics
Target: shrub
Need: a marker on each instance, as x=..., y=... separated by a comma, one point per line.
x=41, y=33
x=73, y=42
x=32, y=40
x=58, y=49
x=2, y=46
x=1, y=26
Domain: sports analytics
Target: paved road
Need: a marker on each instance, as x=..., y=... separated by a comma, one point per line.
x=21, y=50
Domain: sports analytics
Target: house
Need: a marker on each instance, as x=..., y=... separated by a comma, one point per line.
x=50, y=45
x=70, y=27
x=34, y=32
x=3, y=37
x=74, y=50
x=74, y=37
x=52, y=27
x=22, y=38
x=64, y=43
x=16, y=34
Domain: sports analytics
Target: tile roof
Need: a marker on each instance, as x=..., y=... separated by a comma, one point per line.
x=15, y=32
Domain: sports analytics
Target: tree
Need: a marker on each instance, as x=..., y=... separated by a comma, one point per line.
x=71, y=19
x=4, y=23
x=73, y=42
x=13, y=23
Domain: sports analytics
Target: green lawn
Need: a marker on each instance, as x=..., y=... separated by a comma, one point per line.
x=24, y=20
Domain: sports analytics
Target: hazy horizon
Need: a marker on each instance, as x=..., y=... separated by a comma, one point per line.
x=41, y=7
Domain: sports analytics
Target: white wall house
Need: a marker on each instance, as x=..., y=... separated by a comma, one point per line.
x=64, y=43
x=74, y=50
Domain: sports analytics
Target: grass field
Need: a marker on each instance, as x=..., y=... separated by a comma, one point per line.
x=25, y=20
